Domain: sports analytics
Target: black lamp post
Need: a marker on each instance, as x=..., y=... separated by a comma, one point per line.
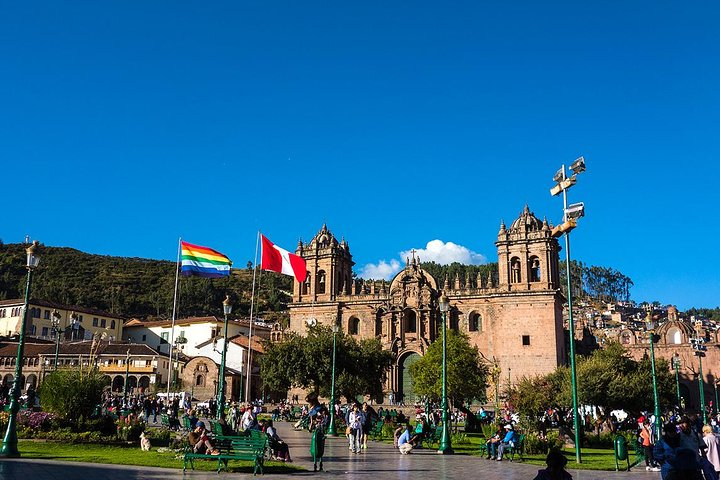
x=9, y=448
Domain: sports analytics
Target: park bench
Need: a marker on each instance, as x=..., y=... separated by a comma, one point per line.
x=511, y=450
x=295, y=413
x=186, y=423
x=240, y=447
x=165, y=420
x=216, y=428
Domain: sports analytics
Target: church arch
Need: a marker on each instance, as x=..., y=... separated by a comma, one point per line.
x=534, y=263
x=475, y=322
x=515, y=270
x=354, y=326
x=674, y=336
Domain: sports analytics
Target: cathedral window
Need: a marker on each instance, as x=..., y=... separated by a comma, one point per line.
x=475, y=322
x=514, y=270
x=200, y=381
x=410, y=321
x=320, y=286
x=378, y=324
x=354, y=326
x=454, y=321
x=534, y=269
x=526, y=340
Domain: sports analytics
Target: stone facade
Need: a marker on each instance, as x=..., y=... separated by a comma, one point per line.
x=514, y=319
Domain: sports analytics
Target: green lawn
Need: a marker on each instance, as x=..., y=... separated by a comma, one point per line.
x=592, y=458
x=132, y=455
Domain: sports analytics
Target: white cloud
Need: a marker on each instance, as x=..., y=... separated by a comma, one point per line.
x=435, y=251
x=381, y=270
x=446, y=253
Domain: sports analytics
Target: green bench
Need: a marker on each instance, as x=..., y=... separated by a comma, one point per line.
x=242, y=447
x=376, y=431
x=511, y=450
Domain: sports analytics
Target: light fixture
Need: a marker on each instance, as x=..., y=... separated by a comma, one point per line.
x=227, y=306
x=575, y=210
x=444, y=303
x=578, y=166
x=32, y=260
x=335, y=328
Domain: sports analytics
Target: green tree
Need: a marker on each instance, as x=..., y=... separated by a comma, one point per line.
x=466, y=373
x=72, y=393
x=306, y=362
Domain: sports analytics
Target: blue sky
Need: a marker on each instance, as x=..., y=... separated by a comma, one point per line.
x=129, y=124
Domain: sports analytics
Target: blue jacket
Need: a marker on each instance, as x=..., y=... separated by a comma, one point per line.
x=510, y=436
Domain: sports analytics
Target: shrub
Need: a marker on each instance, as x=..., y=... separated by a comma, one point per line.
x=72, y=393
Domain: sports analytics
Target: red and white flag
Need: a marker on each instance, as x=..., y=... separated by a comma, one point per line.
x=275, y=259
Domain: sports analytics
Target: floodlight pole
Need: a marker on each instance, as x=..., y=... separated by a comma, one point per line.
x=571, y=327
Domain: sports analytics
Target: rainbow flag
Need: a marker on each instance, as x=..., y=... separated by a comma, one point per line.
x=203, y=261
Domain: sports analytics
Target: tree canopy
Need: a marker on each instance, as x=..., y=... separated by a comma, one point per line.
x=608, y=379
x=466, y=373
x=306, y=362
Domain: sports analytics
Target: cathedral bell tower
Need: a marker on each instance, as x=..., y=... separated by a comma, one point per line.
x=329, y=268
x=527, y=255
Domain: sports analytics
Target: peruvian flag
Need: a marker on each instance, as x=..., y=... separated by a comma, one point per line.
x=275, y=259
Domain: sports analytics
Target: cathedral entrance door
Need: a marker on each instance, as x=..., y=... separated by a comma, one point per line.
x=407, y=394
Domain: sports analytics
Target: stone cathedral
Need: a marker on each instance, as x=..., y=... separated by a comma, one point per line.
x=516, y=319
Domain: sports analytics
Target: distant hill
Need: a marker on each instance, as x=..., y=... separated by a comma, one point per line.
x=135, y=287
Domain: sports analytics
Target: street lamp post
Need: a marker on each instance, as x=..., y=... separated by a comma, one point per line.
x=650, y=327
x=445, y=444
x=227, y=310
x=331, y=429
x=570, y=215
x=716, y=397
x=57, y=331
x=676, y=363
x=698, y=344
x=9, y=448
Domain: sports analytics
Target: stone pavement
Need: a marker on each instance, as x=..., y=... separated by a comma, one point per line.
x=379, y=461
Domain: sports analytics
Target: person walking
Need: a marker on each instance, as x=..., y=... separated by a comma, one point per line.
x=646, y=436
x=712, y=454
x=355, y=423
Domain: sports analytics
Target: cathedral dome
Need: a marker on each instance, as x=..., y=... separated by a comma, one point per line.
x=527, y=221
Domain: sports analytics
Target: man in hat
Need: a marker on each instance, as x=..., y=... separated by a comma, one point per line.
x=508, y=441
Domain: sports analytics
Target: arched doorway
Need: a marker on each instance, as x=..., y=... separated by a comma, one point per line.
x=406, y=393
x=118, y=384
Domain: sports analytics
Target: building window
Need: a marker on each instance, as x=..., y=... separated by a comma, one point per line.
x=112, y=324
x=95, y=321
x=354, y=326
x=200, y=381
x=515, y=270
x=306, y=284
x=45, y=331
x=475, y=323
x=103, y=322
x=534, y=269
x=410, y=321
x=526, y=340
x=80, y=317
x=164, y=337
x=144, y=337
x=47, y=315
x=320, y=285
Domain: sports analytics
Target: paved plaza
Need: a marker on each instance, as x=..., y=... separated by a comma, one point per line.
x=380, y=461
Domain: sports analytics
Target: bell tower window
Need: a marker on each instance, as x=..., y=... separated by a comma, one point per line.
x=515, y=270
x=475, y=322
x=320, y=285
x=306, y=284
x=354, y=326
x=534, y=269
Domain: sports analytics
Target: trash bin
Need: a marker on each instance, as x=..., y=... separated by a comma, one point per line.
x=621, y=452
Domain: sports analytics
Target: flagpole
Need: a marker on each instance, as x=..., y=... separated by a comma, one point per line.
x=174, y=312
x=248, y=373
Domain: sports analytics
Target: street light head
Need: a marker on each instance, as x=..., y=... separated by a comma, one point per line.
x=227, y=306
x=575, y=210
x=650, y=324
x=578, y=166
x=444, y=303
x=559, y=175
x=55, y=318
x=335, y=328
x=32, y=260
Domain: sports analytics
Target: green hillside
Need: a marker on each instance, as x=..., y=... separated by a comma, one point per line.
x=134, y=287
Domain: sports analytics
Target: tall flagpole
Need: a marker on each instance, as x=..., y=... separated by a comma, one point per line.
x=248, y=373
x=174, y=312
